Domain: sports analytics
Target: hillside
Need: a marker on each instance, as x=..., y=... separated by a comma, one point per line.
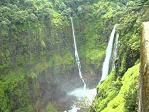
x=37, y=57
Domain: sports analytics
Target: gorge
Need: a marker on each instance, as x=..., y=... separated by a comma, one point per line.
x=58, y=55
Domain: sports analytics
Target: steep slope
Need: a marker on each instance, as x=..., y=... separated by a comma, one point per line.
x=118, y=95
x=37, y=65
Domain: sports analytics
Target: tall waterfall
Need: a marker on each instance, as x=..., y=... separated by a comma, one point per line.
x=105, y=68
x=76, y=53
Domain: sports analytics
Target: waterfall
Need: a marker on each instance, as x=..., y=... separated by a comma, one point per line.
x=76, y=53
x=105, y=68
x=115, y=48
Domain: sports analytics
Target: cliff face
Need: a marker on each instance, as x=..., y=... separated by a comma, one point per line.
x=144, y=70
x=37, y=63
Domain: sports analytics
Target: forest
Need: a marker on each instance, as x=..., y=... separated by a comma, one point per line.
x=38, y=65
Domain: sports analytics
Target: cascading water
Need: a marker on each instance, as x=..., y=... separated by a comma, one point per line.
x=76, y=54
x=105, y=68
x=91, y=93
x=80, y=93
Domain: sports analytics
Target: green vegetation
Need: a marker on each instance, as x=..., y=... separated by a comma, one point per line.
x=36, y=43
x=118, y=94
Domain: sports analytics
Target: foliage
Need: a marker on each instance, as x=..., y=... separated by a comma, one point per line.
x=128, y=54
x=29, y=30
x=13, y=95
x=106, y=91
x=131, y=100
x=35, y=36
x=123, y=97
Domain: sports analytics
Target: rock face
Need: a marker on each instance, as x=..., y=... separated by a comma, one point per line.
x=144, y=70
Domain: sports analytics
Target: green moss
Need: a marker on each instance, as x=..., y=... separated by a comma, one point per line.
x=107, y=91
x=113, y=94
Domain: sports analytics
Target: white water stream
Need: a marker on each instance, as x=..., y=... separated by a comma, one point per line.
x=105, y=69
x=76, y=54
x=89, y=94
x=80, y=93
